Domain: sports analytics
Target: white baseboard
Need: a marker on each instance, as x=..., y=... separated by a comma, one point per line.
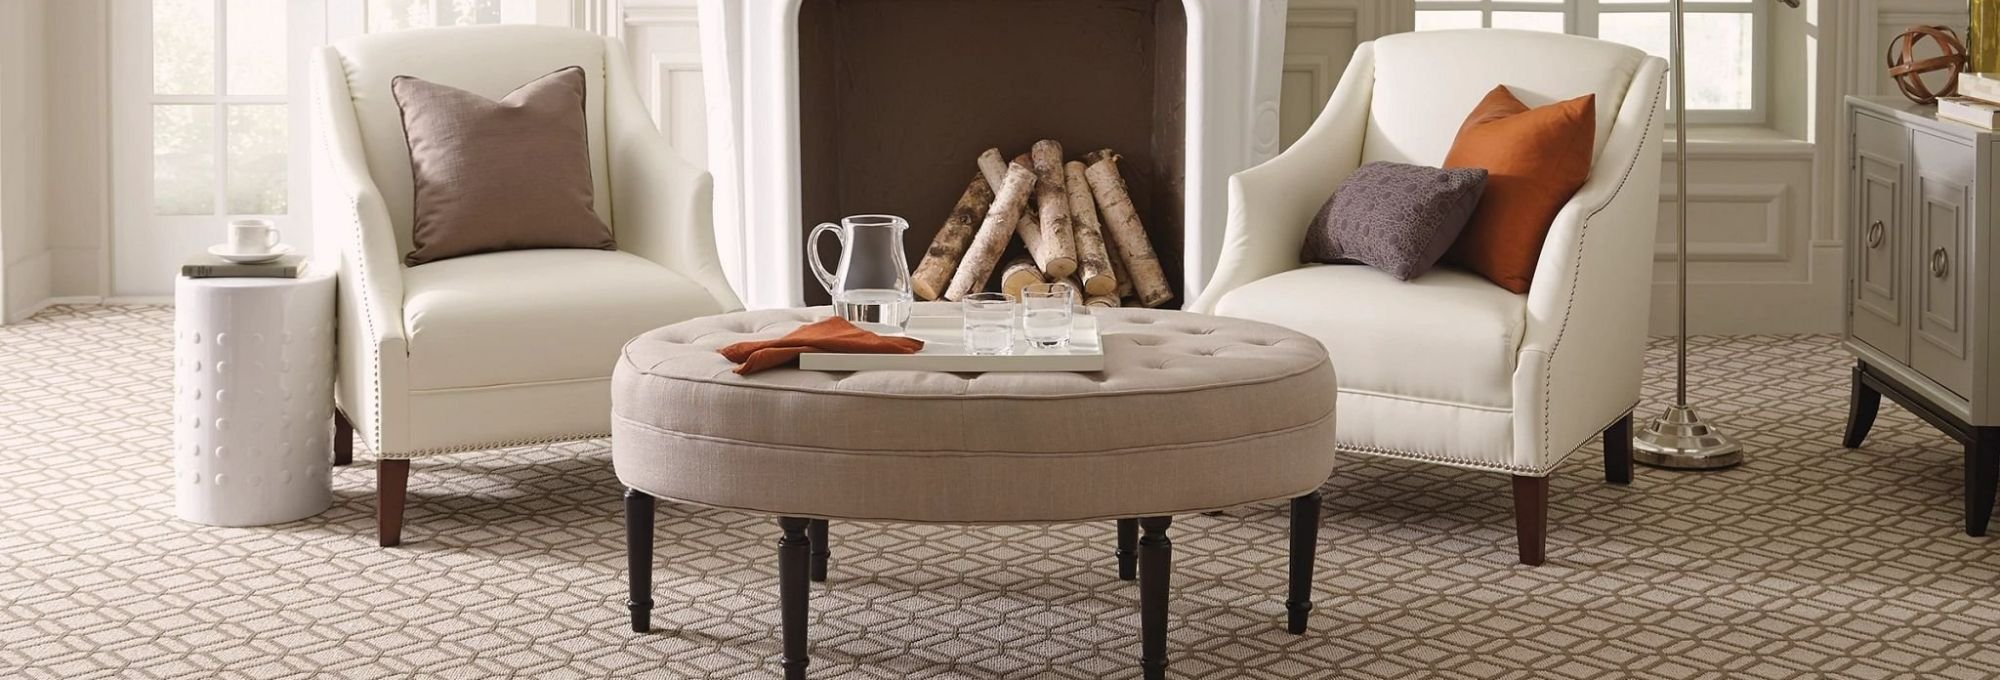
x=167, y=300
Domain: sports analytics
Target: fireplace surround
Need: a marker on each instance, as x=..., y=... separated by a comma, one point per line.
x=824, y=108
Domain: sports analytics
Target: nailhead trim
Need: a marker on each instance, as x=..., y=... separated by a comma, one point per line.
x=537, y=441
x=1583, y=232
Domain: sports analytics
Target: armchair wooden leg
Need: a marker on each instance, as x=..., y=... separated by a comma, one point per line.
x=1618, y=451
x=1531, y=518
x=343, y=439
x=392, y=477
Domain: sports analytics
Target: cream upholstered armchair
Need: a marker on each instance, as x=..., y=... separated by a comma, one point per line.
x=1449, y=368
x=498, y=349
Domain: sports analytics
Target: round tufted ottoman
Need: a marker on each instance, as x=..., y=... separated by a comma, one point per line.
x=1192, y=413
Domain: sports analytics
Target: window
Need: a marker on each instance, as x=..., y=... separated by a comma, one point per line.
x=1726, y=66
x=389, y=15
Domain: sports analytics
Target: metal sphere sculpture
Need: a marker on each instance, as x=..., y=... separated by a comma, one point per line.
x=1909, y=71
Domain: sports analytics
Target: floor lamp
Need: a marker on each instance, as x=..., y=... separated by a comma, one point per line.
x=1678, y=438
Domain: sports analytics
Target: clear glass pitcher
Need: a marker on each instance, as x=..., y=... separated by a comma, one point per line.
x=871, y=285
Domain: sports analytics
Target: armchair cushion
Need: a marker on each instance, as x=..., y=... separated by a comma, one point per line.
x=512, y=174
x=1394, y=217
x=1535, y=161
x=536, y=315
x=1449, y=337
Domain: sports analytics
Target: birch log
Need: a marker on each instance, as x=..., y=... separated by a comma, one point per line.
x=994, y=233
x=995, y=169
x=1020, y=273
x=1058, y=252
x=1092, y=262
x=1149, y=281
x=1101, y=301
x=1117, y=268
x=941, y=259
x=1026, y=224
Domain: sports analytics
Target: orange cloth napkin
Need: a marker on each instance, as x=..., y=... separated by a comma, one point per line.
x=831, y=334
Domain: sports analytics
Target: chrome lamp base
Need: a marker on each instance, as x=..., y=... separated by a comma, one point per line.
x=1679, y=440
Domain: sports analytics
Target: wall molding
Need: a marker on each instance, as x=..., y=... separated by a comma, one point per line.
x=1774, y=197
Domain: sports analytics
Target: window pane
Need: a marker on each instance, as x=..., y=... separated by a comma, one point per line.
x=468, y=12
x=184, y=159
x=256, y=46
x=390, y=15
x=257, y=143
x=1718, y=52
x=1532, y=21
x=1431, y=21
x=183, y=46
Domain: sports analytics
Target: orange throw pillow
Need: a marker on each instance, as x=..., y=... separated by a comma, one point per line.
x=1534, y=159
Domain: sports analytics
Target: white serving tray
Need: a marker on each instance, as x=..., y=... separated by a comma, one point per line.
x=944, y=350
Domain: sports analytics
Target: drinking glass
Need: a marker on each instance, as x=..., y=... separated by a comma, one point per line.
x=989, y=323
x=1047, y=314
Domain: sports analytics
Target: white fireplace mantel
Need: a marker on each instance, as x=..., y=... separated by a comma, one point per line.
x=750, y=54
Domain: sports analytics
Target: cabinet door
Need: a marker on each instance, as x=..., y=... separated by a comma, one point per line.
x=1940, y=274
x=1877, y=269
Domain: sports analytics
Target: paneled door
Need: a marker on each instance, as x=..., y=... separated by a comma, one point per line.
x=205, y=128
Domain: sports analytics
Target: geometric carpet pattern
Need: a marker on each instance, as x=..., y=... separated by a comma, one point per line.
x=1809, y=561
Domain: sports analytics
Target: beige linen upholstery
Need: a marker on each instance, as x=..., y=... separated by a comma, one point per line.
x=1191, y=413
x=1527, y=379
x=497, y=349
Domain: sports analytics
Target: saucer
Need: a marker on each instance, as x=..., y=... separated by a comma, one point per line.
x=223, y=251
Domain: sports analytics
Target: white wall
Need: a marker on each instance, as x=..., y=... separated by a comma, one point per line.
x=24, y=235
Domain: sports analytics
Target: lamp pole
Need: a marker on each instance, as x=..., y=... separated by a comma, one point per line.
x=1678, y=439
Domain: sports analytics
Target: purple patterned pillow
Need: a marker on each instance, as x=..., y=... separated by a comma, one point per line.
x=1394, y=217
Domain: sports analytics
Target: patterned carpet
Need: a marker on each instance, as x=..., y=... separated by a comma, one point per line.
x=1809, y=561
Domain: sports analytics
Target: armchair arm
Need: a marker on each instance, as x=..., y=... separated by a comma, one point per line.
x=1270, y=205
x=1582, y=353
x=354, y=237
x=661, y=205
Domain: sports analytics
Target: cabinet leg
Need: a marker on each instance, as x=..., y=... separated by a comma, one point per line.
x=1982, y=471
x=639, y=557
x=1862, y=403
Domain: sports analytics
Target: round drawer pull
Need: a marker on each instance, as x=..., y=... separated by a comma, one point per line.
x=1875, y=234
x=1940, y=263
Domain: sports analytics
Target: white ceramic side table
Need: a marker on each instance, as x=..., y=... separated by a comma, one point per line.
x=253, y=399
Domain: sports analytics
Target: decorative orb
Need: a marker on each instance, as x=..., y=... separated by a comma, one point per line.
x=1908, y=70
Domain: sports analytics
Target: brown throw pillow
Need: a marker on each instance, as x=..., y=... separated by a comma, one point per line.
x=506, y=175
x=1535, y=160
x=1394, y=217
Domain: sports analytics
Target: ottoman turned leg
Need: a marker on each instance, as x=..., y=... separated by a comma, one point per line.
x=793, y=588
x=1128, y=549
x=1305, y=547
x=343, y=439
x=1156, y=556
x=821, y=549
x=639, y=558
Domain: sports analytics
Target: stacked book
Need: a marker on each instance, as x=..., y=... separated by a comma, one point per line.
x=207, y=266
x=1977, y=103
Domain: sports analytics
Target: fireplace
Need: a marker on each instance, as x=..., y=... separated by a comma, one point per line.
x=829, y=108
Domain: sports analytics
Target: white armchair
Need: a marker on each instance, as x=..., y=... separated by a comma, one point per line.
x=1449, y=368
x=499, y=349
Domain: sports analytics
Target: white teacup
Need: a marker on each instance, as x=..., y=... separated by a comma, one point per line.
x=252, y=237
